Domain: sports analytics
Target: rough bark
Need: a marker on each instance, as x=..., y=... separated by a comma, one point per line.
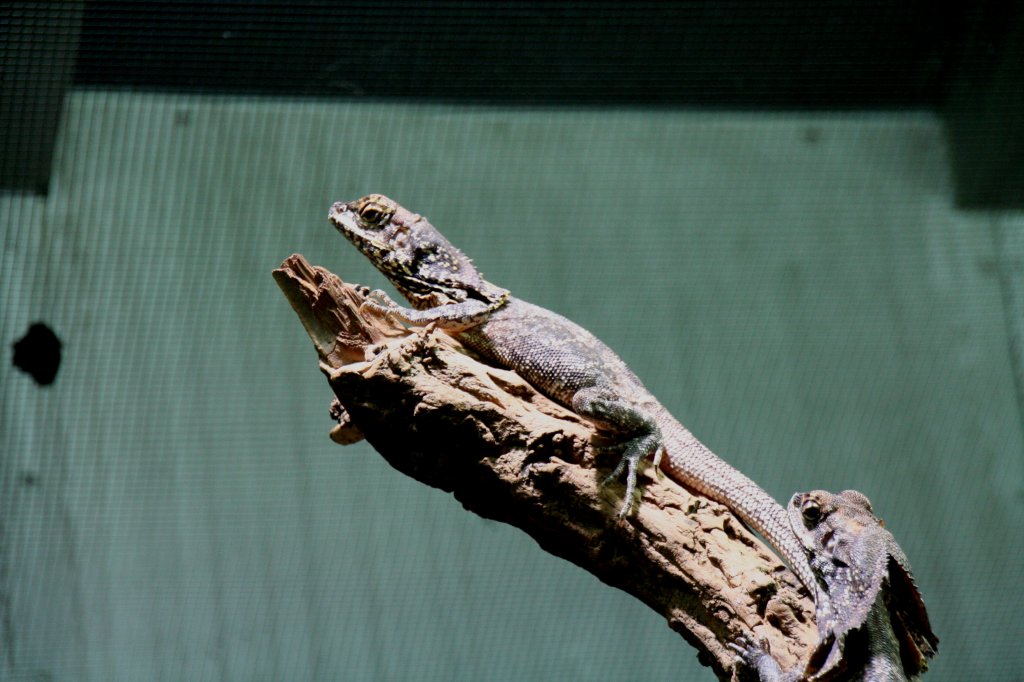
x=508, y=453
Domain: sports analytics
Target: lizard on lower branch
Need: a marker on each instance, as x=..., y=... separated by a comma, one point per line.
x=561, y=359
x=874, y=626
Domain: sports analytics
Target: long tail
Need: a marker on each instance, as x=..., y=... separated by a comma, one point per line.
x=691, y=463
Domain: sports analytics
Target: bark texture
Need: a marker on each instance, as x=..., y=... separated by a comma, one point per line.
x=508, y=453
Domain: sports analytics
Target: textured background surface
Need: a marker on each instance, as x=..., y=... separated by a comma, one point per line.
x=796, y=288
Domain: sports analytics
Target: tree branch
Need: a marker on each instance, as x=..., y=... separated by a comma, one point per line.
x=509, y=453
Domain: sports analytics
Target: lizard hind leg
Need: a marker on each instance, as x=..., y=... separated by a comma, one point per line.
x=639, y=431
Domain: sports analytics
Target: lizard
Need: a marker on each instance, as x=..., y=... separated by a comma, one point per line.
x=557, y=356
x=874, y=626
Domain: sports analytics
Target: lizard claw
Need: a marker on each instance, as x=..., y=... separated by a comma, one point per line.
x=757, y=656
x=634, y=451
x=627, y=502
x=747, y=649
x=379, y=303
x=377, y=297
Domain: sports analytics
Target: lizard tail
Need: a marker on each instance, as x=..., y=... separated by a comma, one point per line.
x=691, y=463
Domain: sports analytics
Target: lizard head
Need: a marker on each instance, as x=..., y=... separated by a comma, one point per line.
x=409, y=251
x=825, y=521
x=857, y=558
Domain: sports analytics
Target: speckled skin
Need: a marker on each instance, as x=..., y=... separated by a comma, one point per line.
x=874, y=626
x=560, y=358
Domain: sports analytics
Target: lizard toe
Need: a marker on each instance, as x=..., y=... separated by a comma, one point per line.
x=633, y=452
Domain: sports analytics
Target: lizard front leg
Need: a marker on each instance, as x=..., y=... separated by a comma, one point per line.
x=640, y=432
x=451, y=317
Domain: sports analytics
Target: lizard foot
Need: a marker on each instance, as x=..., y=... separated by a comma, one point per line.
x=756, y=656
x=747, y=650
x=633, y=452
x=641, y=435
x=378, y=303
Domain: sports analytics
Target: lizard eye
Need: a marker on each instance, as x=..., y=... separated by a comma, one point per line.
x=811, y=511
x=374, y=210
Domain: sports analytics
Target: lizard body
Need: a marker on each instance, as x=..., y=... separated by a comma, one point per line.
x=561, y=359
x=873, y=627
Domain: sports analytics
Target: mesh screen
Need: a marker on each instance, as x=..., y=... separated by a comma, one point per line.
x=797, y=286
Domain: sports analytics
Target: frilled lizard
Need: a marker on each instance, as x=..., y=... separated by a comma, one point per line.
x=873, y=626
x=561, y=359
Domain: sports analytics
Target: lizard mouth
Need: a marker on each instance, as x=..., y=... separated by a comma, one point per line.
x=343, y=217
x=345, y=221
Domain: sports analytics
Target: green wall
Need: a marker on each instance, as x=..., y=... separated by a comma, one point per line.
x=797, y=289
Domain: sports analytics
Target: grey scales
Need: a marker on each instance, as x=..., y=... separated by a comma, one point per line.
x=560, y=358
x=874, y=626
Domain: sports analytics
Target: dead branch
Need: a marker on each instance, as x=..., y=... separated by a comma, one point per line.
x=508, y=453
